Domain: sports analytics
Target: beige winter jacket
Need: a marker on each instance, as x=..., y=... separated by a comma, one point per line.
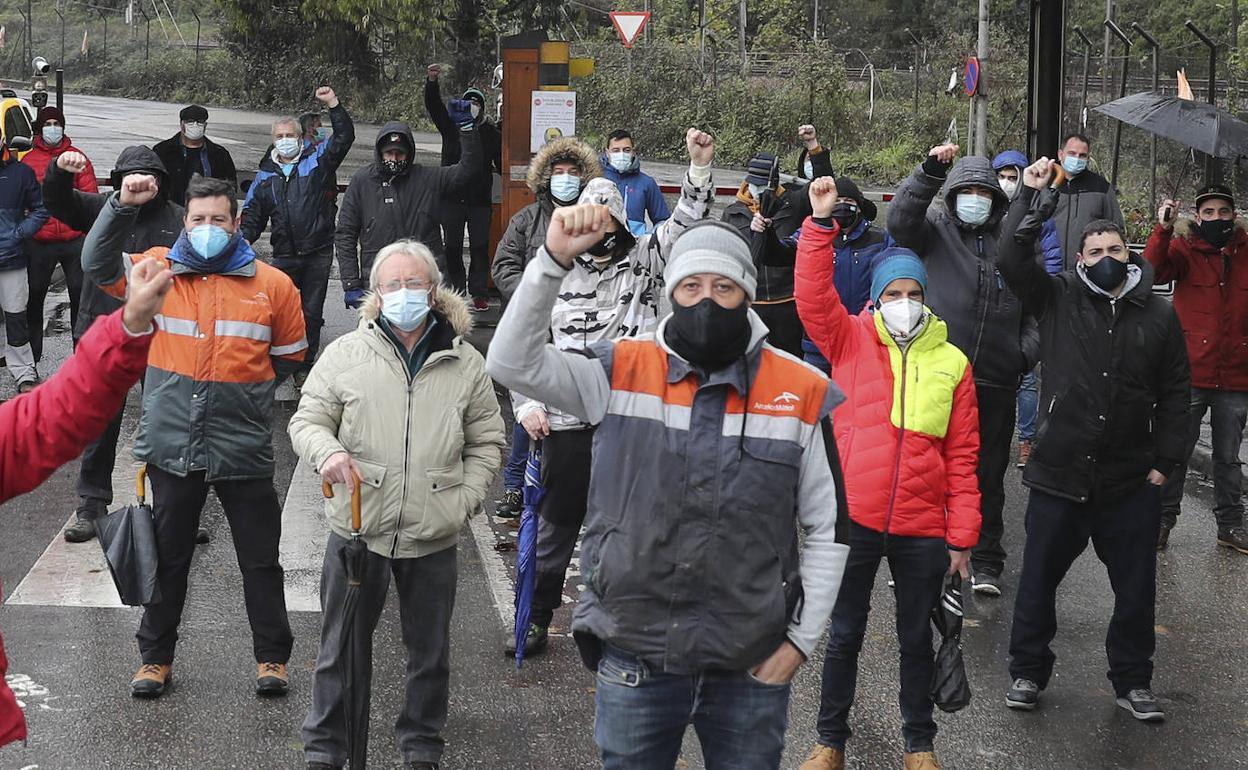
x=427, y=447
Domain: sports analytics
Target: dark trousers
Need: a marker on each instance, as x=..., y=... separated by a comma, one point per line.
x=513, y=469
x=918, y=566
x=95, y=475
x=426, y=588
x=1124, y=533
x=996, y=432
x=42, y=261
x=255, y=517
x=455, y=217
x=784, y=328
x=310, y=274
x=565, y=474
x=1228, y=412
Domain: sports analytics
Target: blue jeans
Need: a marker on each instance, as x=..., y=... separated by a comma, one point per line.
x=1228, y=413
x=918, y=566
x=513, y=471
x=1028, y=402
x=641, y=715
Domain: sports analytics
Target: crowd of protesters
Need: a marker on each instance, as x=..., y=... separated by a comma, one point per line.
x=740, y=414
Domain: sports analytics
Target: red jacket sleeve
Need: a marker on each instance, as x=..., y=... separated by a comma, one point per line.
x=1169, y=263
x=48, y=427
x=827, y=322
x=962, y=513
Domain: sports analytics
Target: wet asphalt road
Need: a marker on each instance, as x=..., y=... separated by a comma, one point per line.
x=71, y=665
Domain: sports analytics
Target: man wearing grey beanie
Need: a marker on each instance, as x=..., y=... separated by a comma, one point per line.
x=711, y=447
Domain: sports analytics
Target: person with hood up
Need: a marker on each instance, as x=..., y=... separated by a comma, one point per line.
x=767, y=214
x=1009, y=166
x=474, y=208
x=557, y=174
x=565, y=165
x=402, y=403
x=43, y=430
x=1207, y=258
x=1085, y=197
x=712, y=449
x=394, y=198
x=189, y=152
x=957, y=241
x=858, y=242
x=613, y=291
x=157, y=223
x=1116, y=385
x=910, y=445
x=56, y=243
x=21, y=216
x=229, y=323
x=621, y=163
x=288, y=195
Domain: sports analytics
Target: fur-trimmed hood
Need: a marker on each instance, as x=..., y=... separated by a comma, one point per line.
x=565, y=150
x=449, y=304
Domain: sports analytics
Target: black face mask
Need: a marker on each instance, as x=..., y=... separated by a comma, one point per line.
x=1108, y=274
x=1217, y=231
x=614, y=245
x=395, y=167
x=709, y=335
x=846, y=215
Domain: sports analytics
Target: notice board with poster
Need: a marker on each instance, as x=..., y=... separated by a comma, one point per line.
x=552, y=114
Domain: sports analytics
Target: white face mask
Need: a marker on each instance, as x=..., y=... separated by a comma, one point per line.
x=1008, y=186
x=195, y=131
x=52, y=135
x=475, y=110
x=756, y=191
x=901, y=316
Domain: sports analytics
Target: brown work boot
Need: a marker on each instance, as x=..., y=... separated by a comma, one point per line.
x=271, y=679
x=1024, y=454
x=922, y=760
x=824, y=758
x=151, y=681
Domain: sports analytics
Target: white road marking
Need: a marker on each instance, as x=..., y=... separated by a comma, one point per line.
x=496, y=571
x=76, y=574
x=304, y=535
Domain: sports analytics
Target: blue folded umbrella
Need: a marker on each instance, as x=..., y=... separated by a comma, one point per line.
x=526, y=548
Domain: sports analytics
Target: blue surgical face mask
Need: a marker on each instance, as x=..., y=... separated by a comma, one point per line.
x=621, y=161
x=322, y=134
x=52, y=135
x=405, y=308
x=973, y=209
x=565, y=187
x=756, y=190
x=808, y=169
x=288, y=146
x=1072, y=165
x=208, y=240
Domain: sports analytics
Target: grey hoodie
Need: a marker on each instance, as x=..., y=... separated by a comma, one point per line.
x=986, y=321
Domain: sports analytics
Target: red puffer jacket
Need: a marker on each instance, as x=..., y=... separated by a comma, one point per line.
x=48, y=427
x=908, y=432
x=56, y=231
x=1211, y=298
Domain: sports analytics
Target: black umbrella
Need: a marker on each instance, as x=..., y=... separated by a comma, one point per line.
x=355, y=709
x=128, y=538
x=950, y=689
x=1198, y=125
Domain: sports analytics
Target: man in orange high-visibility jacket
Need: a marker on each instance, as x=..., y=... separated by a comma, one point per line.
x=228, y=322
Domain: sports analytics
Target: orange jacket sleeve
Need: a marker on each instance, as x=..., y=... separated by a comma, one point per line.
x=827, y=322
x=961, y=450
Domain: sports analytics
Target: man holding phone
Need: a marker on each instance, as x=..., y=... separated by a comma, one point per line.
x=1207, y=258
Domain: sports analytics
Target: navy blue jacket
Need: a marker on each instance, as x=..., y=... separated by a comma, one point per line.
x=301, y=214
x=641, y=196
x=21, y=211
